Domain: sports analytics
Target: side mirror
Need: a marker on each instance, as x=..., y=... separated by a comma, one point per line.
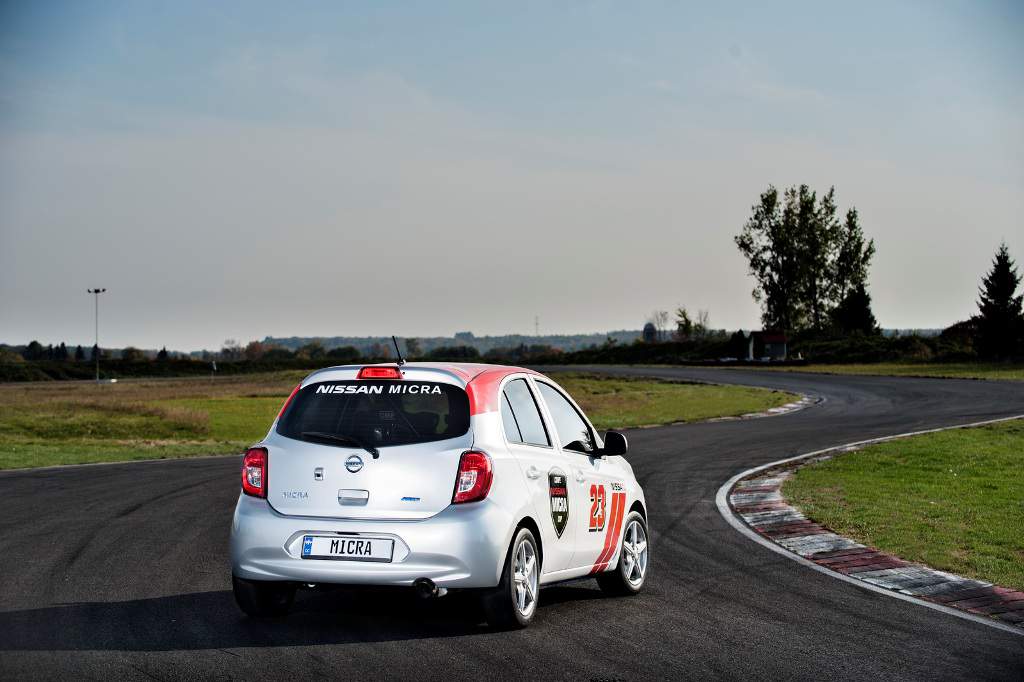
x=614, y=444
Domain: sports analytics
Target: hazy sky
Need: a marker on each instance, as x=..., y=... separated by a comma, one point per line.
x=238, y=170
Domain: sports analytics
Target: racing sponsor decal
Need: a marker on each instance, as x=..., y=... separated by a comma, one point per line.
x=597, y=498
x=396, y=389
x=413, y=389
x=337, y=388
x=611, y=539
x=559, y=493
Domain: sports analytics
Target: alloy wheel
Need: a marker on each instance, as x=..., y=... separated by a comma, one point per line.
x=525, y=578
x=634, y=554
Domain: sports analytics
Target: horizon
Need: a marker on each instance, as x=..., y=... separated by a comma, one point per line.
x=436, y=167
x=899, y=331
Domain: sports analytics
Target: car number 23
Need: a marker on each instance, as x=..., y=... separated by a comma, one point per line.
x=597, y=508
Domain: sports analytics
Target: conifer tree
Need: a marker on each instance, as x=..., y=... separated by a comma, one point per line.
x=1000, y=321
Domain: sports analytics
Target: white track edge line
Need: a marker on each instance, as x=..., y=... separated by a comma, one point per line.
x=722, y=502
x=806, y=401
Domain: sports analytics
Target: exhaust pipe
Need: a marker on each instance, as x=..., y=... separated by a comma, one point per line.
x=427, y=589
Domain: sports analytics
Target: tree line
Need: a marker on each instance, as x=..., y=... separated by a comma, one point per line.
x=811, y=275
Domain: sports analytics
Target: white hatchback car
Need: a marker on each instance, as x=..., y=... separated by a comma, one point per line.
x=436, y=476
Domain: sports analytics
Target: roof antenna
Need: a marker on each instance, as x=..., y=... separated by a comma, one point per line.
x=401, y=360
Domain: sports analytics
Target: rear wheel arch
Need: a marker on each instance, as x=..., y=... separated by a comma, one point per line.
x=638, y=507
x=527, y=522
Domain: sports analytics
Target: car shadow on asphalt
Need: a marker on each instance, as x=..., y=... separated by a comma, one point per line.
x=211, y=620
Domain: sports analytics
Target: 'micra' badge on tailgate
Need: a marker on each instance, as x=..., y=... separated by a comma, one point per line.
x=559, y=500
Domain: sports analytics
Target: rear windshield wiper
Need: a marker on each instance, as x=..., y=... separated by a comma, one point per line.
x=342, y=440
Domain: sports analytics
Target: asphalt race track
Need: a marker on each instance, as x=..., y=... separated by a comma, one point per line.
x=121, y=571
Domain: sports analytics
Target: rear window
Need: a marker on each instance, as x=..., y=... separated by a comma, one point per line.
x=376, y=413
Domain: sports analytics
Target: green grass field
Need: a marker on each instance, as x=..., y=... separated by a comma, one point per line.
x=49, y=423
x=953, y=500
x=960, y=370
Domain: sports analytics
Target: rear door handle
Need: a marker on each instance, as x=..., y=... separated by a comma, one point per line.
x=533, y=472
x=580, y=477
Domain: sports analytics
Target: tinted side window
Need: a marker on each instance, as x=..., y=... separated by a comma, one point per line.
x=525, y=414
x=572, y=430
x=508, y=420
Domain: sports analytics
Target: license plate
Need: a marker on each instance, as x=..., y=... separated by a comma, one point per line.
x=347, y=548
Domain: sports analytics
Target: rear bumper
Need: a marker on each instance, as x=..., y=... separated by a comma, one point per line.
x=461, y=547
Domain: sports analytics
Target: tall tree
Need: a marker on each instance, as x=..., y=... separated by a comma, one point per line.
x=817, y=230
x=849, y=271
x=771, y=246
x=805, y=262
x=79, y=354
x=853, y=257
x=1000, y=321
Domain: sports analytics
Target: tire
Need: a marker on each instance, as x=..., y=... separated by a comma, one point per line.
x=629, y=576
x=261, y=598
x=513, y=603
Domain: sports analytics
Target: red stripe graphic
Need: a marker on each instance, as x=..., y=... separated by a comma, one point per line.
x=612, y=537
x=608, y=534
x=616, y=531
x=612, y=533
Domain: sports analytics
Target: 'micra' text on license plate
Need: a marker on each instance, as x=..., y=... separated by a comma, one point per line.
x=347, y=547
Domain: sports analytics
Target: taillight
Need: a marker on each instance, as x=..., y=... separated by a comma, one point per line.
x=288, y=402
x=473, y=481
x=380, y=373
x=255, y=467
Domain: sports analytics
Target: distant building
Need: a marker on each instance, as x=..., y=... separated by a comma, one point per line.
x=774, y=345
x=765, y=344
x=650, y=333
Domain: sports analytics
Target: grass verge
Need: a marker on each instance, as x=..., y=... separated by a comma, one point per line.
x=953, y=500
x=73, y=423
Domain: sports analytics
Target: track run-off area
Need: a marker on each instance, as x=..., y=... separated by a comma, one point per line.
x=122, y=570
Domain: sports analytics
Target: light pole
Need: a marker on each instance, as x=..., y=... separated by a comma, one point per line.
x=96, y=347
